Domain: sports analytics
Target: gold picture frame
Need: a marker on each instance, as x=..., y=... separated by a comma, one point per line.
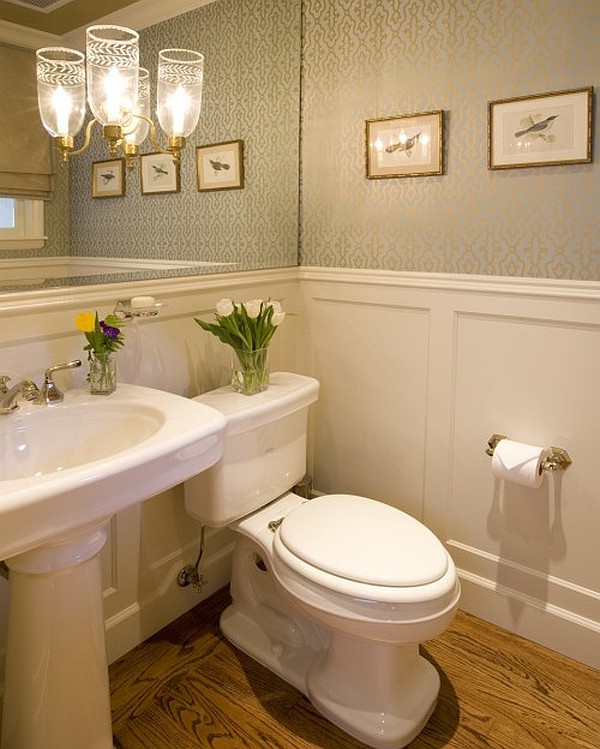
x=108, y=178
x=407, y=145
x=549, y=129
x=220, y=166
x=159, y=174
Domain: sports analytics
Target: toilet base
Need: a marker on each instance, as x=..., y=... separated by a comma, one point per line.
x=264, y=624
x=381, y=693
x=245, y=632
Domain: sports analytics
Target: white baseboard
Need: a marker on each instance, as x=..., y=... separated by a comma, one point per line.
x=554, y=628
x=135, y=623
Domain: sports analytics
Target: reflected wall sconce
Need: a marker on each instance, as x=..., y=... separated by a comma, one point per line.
x=118, y=93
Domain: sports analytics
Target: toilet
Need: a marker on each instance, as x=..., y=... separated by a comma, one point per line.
x=333, y=594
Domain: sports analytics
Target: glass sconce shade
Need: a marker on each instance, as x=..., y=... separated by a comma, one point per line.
x=61, y=90
x=112, y=63
x=137, y=129
x=118, y=92
x=179, y=90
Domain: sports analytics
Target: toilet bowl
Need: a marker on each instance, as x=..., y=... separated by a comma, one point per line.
x=334, y=594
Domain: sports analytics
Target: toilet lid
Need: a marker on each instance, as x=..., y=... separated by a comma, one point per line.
x=363, y=540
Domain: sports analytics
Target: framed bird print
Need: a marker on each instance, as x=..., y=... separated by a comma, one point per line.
x=408, y=145
x=541, y=130
x=108, y=179
x=158, y=173
x=220, y=166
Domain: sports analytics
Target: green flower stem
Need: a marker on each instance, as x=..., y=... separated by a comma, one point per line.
x=103, y=374
x=252, y=374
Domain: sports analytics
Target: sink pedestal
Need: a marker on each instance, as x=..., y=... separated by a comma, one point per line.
x=57, y=496
x=57, y=694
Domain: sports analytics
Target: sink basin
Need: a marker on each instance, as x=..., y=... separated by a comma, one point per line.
x=65, y=470
x=110, y=451
x=45, y=440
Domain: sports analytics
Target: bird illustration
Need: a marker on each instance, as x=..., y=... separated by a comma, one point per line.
x=537, y=128
x=159, y=170
x=218, y=166
x=405, y=146
x=107, y=177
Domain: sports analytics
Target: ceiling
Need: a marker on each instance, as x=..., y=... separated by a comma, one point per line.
x=57, y=16
x=36, y=22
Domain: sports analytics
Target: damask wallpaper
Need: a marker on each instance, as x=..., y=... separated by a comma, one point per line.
x=364, y=60
x=376, y=58
x=251, y=92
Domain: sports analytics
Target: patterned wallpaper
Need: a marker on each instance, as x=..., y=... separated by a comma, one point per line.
x=375, y=58
x=363, y=60
x=251, y=92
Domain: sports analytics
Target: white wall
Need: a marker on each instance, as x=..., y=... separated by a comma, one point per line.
x=148, y=544
x=417, y=372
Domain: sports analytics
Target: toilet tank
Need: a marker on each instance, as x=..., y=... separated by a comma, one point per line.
x=264, y=449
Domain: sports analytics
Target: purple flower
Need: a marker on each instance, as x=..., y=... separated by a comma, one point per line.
x=109, y=330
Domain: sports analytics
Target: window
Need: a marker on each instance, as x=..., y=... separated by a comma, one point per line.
x=21, y=224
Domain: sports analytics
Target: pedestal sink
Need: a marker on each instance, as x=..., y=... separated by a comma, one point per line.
x=64, y=471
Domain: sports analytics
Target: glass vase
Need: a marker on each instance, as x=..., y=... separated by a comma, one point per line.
x=103, y=374
x=250, y=371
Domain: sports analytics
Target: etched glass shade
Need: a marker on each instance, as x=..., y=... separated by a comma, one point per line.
x=179, y=90
x=137, y=129
x=112, y=64
x=61, y=90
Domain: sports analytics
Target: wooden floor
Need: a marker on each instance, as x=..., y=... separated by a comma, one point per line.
x=188, y=687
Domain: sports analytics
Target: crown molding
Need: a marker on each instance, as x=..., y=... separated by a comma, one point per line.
x=136, y=16
x=21, y=36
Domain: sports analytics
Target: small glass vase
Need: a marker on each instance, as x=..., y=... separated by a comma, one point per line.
x=250, y=371
x=103, y=374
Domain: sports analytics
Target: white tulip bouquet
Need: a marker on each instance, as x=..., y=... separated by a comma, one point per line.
x=248, y=328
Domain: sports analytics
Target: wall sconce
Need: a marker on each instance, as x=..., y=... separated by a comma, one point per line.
x=118, y=93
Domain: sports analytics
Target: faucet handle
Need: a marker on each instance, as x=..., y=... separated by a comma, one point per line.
x=3, y=380
x=29, y=391
x=49, y=392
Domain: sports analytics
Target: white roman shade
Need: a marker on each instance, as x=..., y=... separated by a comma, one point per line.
x=25, y=148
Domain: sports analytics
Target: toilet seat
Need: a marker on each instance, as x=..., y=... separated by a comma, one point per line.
x=364, y=548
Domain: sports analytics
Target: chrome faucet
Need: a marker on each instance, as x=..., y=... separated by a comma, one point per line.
x=9, y=396
x=27, y=390
x=49, y=392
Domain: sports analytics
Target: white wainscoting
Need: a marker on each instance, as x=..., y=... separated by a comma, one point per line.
x=149, y=543
x=417, y=372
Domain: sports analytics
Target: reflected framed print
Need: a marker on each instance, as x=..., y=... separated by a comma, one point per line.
x=108, y=179
x=220, y=166
x=158, y=173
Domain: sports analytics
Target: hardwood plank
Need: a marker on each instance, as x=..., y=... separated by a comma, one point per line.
x=187, y=687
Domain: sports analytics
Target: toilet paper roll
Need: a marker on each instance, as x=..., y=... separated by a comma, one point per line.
x=518, y=463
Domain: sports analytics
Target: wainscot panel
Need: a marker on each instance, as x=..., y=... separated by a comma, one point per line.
x=150, y=543
x=417, y=372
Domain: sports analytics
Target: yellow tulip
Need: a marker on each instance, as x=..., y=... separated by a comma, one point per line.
x=86, y=321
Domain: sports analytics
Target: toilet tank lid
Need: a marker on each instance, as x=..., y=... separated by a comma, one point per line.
x=364, y=540
x=287, y=392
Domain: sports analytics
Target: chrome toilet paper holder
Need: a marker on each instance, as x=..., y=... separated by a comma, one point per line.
x=557, y=458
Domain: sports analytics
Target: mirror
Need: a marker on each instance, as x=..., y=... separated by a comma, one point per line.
x=251, y=93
